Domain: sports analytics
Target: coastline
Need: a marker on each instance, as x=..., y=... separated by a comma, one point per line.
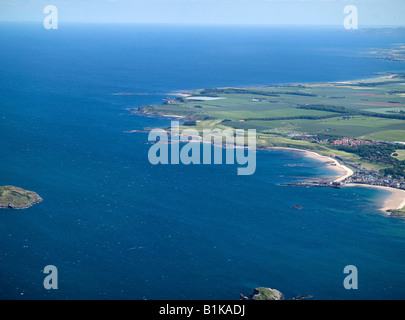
x=342, y=171
x=395, y=201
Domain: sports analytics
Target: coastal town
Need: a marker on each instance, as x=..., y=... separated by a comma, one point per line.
x=360, y=175
x=363, y=176
x=355, y=174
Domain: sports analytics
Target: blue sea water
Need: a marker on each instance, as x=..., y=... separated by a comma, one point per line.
x=117, y=227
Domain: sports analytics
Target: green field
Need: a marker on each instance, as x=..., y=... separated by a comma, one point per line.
x=399, y=154
x=350, y=109
x=370, y=109
x=388, y=135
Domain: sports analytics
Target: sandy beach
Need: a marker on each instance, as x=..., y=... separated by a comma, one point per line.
x=394, y=202
x=342, y=172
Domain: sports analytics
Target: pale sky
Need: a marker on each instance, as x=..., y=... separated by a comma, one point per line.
x=272, y=12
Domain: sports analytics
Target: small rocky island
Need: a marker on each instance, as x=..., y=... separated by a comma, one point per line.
x=263, y=293
x=16, y=198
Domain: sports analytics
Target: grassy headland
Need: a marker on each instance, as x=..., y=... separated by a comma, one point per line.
x=360, y=123
x=308, y=116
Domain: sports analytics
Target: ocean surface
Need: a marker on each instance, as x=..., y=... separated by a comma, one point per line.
x=117, y=227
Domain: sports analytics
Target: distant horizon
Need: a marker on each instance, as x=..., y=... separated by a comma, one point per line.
x=362, y=27
x=221, y=12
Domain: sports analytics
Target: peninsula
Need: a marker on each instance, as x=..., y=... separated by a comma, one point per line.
x=356, y=127
x=16, y=198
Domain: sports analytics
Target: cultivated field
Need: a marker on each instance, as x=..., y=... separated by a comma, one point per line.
x=302, y=115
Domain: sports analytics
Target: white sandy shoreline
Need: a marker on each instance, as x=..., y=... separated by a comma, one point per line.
x=395, y=201
x=342, y=171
